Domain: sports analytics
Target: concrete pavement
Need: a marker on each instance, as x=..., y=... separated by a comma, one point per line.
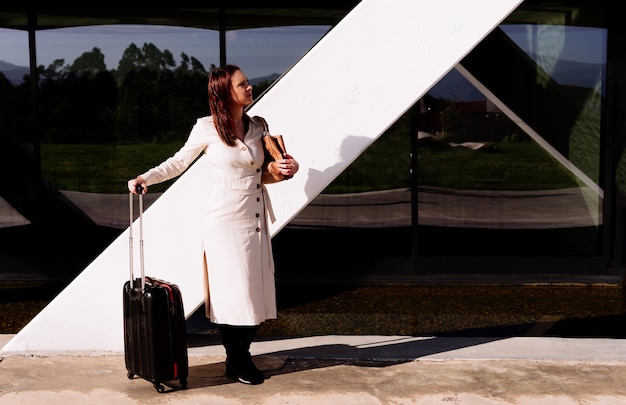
x=342, y=370
x=437, y=207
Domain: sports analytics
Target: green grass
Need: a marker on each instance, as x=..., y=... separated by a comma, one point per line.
x=101, y=168
x=503, y=166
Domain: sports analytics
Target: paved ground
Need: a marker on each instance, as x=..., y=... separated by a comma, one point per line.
x=569, y=207
x=344, y=370
x=476, y=363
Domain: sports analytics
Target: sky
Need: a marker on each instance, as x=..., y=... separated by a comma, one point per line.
x=259, y=52
x=264, y=51
x=577, y=44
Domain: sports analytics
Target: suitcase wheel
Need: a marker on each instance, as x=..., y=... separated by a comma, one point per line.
x=159, y=387
x=130, y=375
x=183, y=383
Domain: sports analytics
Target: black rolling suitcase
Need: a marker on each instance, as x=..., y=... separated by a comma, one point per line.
x=155, y=334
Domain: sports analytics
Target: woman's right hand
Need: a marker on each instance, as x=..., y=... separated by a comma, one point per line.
x=133, y=184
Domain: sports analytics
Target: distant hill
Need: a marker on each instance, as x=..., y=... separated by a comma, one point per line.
x=13, y=73
x=455, y=87
x=269, y=78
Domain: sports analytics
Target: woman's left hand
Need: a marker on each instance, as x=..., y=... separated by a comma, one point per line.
x=288, y=166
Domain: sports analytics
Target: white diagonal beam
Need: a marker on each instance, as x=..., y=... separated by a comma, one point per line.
x=330, y=106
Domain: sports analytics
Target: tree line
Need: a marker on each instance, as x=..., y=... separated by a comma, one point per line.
x=148, y=98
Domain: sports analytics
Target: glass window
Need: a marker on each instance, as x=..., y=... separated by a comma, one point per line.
x=502, y=157
x=507, y=155
x=509, y=163
x=14, y=119
x=113, y=101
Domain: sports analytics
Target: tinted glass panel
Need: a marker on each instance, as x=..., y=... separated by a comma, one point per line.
x=510, y=162
x=15, y=140
x=113, y=101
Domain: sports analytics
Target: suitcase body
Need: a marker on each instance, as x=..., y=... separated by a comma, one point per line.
x=155, y=335
x=155, y=332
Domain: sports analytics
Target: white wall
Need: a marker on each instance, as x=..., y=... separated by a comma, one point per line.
x=337, y=100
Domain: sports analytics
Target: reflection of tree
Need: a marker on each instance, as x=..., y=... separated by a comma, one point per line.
x=92, y=62
x=77, y=102
x=14, y=102
x=196, y=65
x=156, y=102
x=148, y=57
x=147, y=98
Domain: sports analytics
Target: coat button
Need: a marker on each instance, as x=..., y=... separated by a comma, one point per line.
x=258, y=229
x=258, y=186
x=258, y=199
x=243, y=148
x=258, y=169
x=257, y=215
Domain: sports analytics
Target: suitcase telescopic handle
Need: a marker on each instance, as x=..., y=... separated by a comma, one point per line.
x=130, y=236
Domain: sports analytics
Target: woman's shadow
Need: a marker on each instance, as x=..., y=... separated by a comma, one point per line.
x=304, y=354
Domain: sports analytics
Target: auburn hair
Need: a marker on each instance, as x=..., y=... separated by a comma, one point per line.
x=220, y=102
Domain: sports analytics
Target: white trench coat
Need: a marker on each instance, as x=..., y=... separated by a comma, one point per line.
x=239, y=280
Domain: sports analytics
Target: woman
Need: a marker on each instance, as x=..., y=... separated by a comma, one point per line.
x=239, y=266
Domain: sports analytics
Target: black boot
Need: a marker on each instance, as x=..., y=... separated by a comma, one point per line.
x=230, y=343
x=248, y=372
x=239, y=364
